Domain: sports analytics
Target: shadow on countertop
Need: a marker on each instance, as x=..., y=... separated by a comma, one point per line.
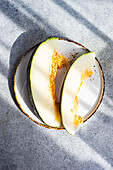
x=25, y=145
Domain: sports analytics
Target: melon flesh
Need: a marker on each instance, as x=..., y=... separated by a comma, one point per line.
x=72, y=85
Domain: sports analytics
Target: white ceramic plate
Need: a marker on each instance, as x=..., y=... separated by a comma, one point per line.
x=68, y=48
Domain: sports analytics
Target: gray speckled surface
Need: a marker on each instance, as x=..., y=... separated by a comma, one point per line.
x=25, y=145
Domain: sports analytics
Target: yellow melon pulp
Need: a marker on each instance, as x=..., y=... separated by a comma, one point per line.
x=78, y=119
x=58, y=61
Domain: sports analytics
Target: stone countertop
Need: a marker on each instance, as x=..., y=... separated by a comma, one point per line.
x=24, y=144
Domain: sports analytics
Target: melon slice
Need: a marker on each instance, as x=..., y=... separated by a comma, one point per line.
x=78, y=74
x=45, y=63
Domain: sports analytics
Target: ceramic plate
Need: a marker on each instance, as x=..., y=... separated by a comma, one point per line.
x=69, y=49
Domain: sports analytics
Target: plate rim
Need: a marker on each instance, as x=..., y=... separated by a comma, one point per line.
x=100, y=97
